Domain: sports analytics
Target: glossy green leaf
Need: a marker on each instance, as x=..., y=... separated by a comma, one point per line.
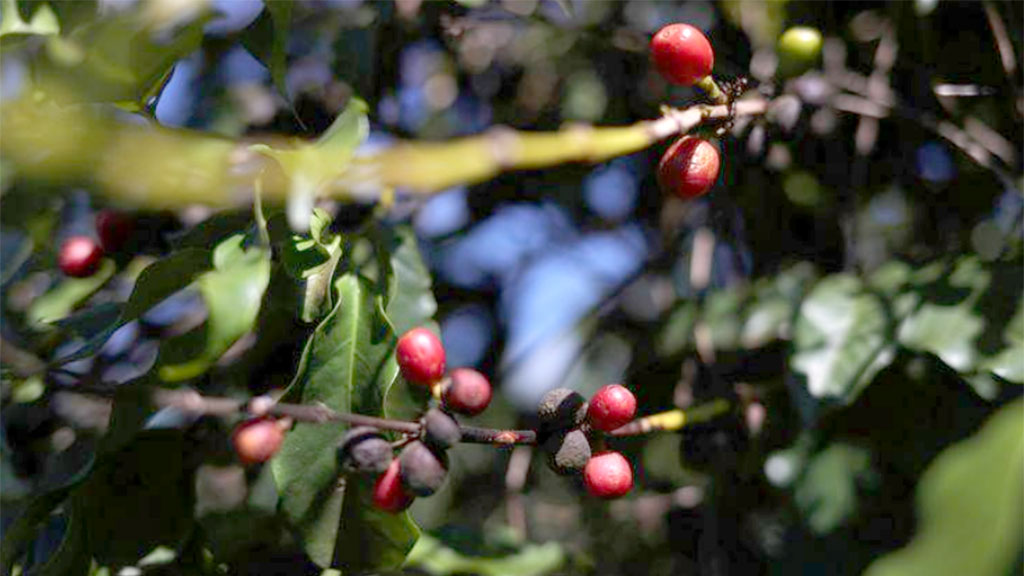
x=346, y=366
x=68, y=294
x=842, y=338
x=969, y=505
x=826, y=493
x=233, y=292
x=138, y=498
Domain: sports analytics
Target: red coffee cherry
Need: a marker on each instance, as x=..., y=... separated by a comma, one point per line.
x=613, y=406
x=420, y=357
x=388, y=494
x=257, y=440
x=608, y=475
x=689, y=168
x=682, y=54
x=468, y=392
x=79, y=256
x=114, y=229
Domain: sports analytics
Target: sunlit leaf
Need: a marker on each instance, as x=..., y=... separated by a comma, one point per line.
x=68, y=294
x=435, y=557
x=233, y=292
x=826, y=493
x=13, y=27
x=842, y=338
x=969, y=506
x=347, y=366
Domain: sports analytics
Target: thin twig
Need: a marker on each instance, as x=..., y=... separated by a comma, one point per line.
x=192, y=401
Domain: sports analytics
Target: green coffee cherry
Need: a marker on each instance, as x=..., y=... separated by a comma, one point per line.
x=799, y=49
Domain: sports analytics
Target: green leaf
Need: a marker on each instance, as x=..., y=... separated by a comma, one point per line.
x=124, y=58
x=410, y=297
x=267, y=39
x=676, y=333
x=92, y=321
x=842, y=338
x=281, y=16
x=311, y=166
x=214, y=230
x=18, y=534
x=827, y=492
x=435, y=557
x=73, y=557
x=155, y=283
x=410, y=304
x=233, y=292
x=347, y=366
x=313, y=259
x=969, y=506
x=13, y=27
x=67, y=295
x=138, y=498
x=971, y=318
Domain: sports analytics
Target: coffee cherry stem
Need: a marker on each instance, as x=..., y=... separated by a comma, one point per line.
x=673, y=420
x=711, y=89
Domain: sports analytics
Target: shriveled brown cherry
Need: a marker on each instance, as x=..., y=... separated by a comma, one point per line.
x=682, y=54
x=420, y=356
x=612, y=407
x=467, y=392
x=257, y=440
x=689, y=168
x=388, y=494
x=608, y=475
x=79, y=256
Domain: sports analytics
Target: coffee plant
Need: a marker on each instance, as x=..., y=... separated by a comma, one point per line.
x=511, y=287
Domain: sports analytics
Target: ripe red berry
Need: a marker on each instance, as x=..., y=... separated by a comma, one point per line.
x=79, y=256
x=689, y=168
x=388, y=494
x=612, y=407
x=420, y=356
x=114, y=229
x=682, y=54
x=257, y=440
x=467, y=393
x=608, y=475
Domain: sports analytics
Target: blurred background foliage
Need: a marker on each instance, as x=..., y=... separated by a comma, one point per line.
x=852, y=284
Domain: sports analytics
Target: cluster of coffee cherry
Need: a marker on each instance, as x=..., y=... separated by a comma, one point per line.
x=683, y=55
x=571, y=428
x=80, y=256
